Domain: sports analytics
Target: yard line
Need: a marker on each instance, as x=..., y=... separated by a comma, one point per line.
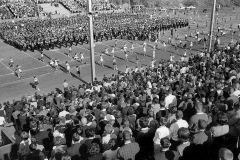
x=6, y=66
x=33, y=57
x=24, y=79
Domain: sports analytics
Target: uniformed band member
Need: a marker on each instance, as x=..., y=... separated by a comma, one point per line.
x=36, y=83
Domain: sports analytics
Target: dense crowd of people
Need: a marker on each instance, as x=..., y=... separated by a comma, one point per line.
x=72, y=5
x=48, y=33
x=23, y=10
x=19, y=10
x=5, y=13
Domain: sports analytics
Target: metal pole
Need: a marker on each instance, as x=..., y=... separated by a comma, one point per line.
x=90, y=23
x=211, y=26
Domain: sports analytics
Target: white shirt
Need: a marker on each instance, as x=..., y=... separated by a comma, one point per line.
x=175, y=126
x=168, y=100
x=106, y=139
x=160, y=133
x=65, y=84
x=2, y=121
x=63, y=113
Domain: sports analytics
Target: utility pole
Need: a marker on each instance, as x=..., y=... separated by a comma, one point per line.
x=90, y=23
x=211, y=26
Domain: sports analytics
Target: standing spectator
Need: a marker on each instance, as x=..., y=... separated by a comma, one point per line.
x=112, y=152
x=23, y=149
x=193, y=123
x=129, y=149
x=144, y=139
x=166, y=153
x=175, y=127
x=160, y=133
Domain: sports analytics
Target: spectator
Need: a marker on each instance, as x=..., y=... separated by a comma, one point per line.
x=166, y=153
x=129, y=149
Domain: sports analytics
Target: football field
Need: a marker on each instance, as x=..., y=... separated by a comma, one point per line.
x=49, y=79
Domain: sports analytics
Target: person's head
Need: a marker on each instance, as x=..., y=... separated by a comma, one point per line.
x=179, y=114
x=24, y=136
x=127, y=135
x=143, y=122
x=183, y=134
x=66, y=157
x=94, y=149
x=57, y=140
x=163, y=121
x=90, y=132
x=108, y=129
x=113, y=144
x=33, y=146
x=202, y=124
x=199, y=107
x=225, y=154
x=75, y=137
x=165, y=143
x=130, y=111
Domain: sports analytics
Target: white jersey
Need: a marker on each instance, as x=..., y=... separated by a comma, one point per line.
x=132, y=48
x=125, y=48
x=152, y=64
x=76, y=56
x=56, y=63
x=81, y=56
x=101, y=58
x=68, y=66
x=144, y=49
x=35, y=79
x=51, y=62
x=171, y=58
x=154, y=53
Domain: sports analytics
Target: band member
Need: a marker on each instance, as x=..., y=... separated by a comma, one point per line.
x=171, y=58
x=191, y=45
x=144, y=50
x=56, y=64
x=101, y=59
x=68, y=68
x=113, y=52
x=132, y=48
x=78, y=71
x=106, y=51
x=51, y=63
x=18, y=71
x=11, y=63
x=136, y=59
x=81, y=57
x=115, y=64
x=126, y=56
x=164, y=46
x=36, y=83
x=185, y=53
x=125, y=48
x=75, y=56
x=70, y=51
x=154, y=53
x=41, y=57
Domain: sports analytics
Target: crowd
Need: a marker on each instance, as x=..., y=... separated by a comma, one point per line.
x=182, y=110
x=41, y=34
x=23, y=10
x=72, y=5
x=5, y=13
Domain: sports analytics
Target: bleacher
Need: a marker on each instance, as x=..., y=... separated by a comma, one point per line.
x=5, y=12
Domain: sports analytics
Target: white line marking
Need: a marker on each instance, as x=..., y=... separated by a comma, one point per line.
x=24, y=79
x=33, y=57
x=6, y=66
